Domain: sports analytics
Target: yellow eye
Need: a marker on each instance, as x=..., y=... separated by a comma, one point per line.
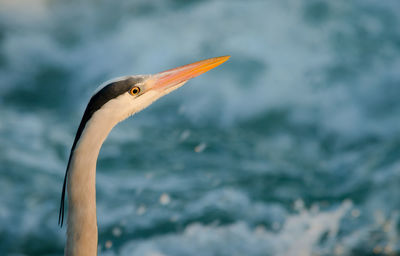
x=134, y=91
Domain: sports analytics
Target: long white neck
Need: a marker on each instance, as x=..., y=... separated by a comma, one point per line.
x=81, y=181
x=81, y=187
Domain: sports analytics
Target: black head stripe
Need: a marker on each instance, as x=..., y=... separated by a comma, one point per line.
x=104, y=95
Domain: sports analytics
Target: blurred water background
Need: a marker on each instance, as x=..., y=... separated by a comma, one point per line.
x=292, y=147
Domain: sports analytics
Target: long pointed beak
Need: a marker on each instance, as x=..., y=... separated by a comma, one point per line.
x=172, y=77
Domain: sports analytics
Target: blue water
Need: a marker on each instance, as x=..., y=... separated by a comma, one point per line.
x=292, y=147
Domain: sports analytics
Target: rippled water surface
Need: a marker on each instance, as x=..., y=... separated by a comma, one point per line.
x=292, y=147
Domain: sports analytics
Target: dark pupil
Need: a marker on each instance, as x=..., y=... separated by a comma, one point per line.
x=135, y=91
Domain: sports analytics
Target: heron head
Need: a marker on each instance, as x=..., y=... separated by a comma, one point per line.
x=119, y=98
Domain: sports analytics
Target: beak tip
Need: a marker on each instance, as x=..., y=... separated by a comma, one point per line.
x=216, y=61
x=224, y=58
x=219, y=60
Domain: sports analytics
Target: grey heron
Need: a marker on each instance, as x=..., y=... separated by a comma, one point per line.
x=113, y=102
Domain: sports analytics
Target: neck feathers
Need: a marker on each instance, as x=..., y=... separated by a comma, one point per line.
x=81, y=187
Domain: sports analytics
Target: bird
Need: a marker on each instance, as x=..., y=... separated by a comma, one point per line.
x=113, y=102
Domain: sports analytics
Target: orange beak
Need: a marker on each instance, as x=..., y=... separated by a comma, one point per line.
x=176, y=76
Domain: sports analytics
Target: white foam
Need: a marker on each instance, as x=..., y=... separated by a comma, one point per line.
x=300, y=235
